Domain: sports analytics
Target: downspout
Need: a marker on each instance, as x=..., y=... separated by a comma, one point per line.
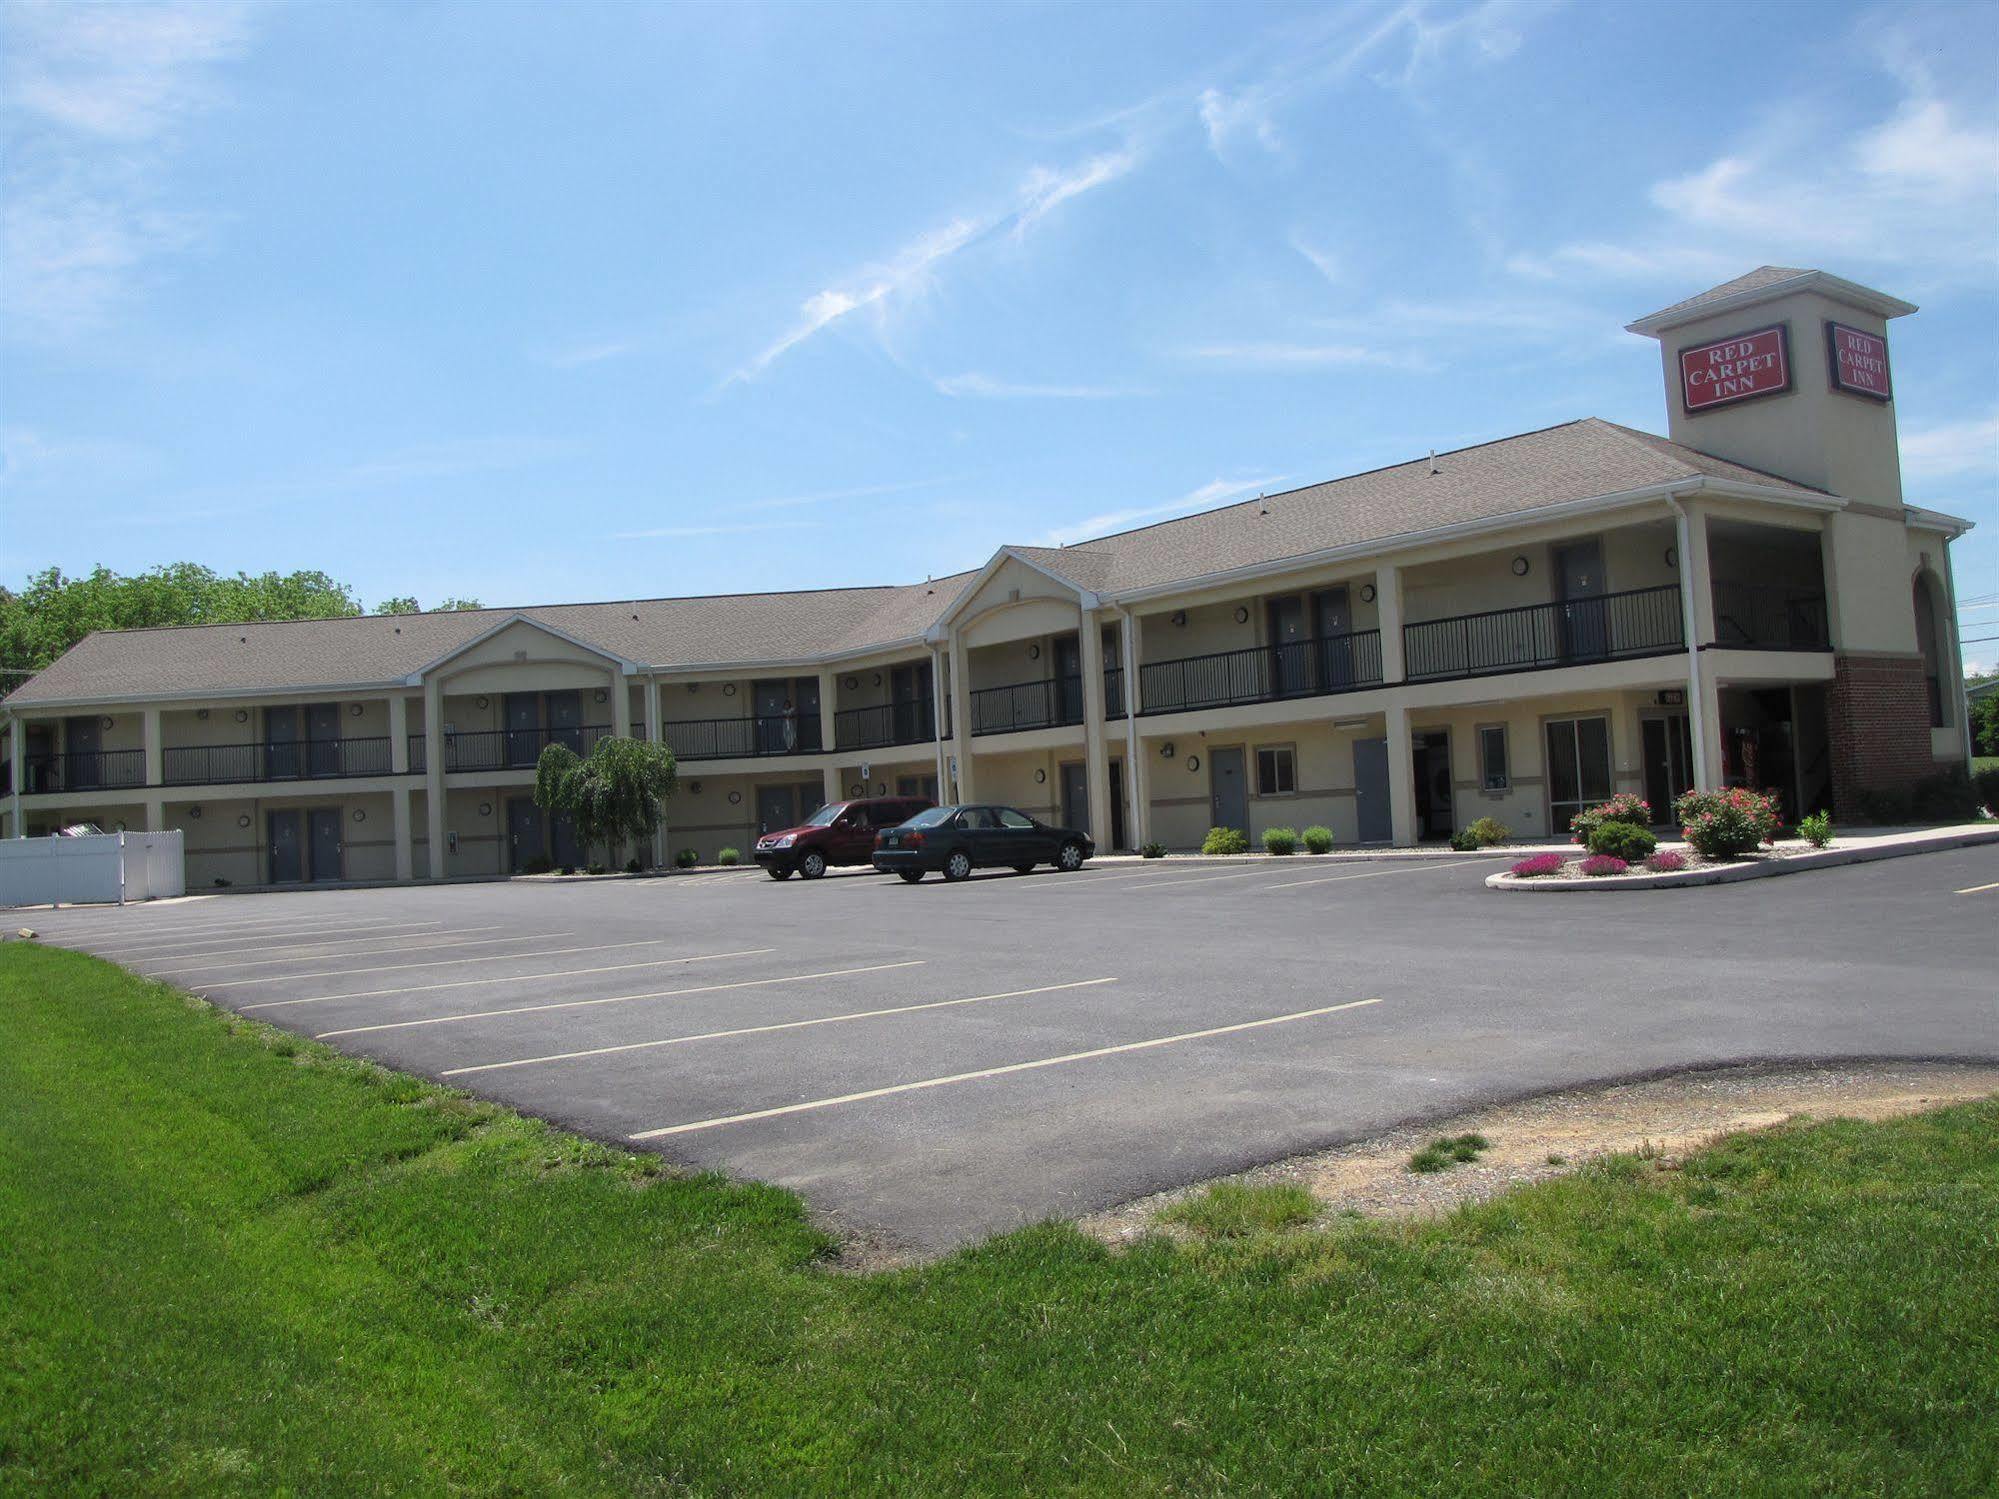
x=1696, y=708
x=1126, y=638
x=937, y=707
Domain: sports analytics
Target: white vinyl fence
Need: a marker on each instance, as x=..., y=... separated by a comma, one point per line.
x=99, y=868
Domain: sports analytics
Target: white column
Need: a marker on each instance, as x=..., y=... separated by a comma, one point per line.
x=1096, y=751
x=433, y=774
x=621, y=704
x=156, y=814
x=399, y=735
x=1401, y=778
x=939, y=708
x=1388, y=606
x=961, y=719
x=656, y=735
x=17, y=755
x=1697, y=603
x=155, y=752
x=399, y=812
x=1134, y=754
x=829, y=728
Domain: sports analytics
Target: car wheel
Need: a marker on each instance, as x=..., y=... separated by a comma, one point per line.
x=958, y=866
x=1023, y=869
x=777, y=873
x=1070, y=857
x=910, y=876
x=812, y=865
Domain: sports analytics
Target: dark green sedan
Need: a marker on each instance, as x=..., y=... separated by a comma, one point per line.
x=956, y=840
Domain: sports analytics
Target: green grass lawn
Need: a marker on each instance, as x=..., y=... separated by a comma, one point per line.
x=232, y=1261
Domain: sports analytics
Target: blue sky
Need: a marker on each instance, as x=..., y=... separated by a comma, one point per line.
x=540, y=302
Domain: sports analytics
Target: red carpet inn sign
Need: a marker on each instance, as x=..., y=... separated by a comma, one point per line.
x=1745, y=365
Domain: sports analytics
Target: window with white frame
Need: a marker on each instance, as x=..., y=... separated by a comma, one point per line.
x=1276, y=771
x=1493, y=770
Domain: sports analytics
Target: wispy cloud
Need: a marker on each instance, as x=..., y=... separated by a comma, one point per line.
x=744, y=528
x=974, y=384
x=910, y=269
x=834, y=496
x=1213, y=493
x=1952, y=448
x=1323, y=261
x=95, y=96
x=578, y=355
x=1302, y=356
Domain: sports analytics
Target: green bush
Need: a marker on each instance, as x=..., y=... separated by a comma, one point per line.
x=729, y=856
x=632, y=865
x=1816, y=829
x=598, y=869
x=1620, y=840
x=1985, y=725
x=1463, y=842
x=1224, y=841
x=1317, y=840
x=1986, y=781
x=1153, y=851
x=1280, y=841
x=1623, y=807
x=1486, y=831
x=537, y=865
x=1727, y=824
x=1885, y=805
x=687, y=858
x=1946, y=797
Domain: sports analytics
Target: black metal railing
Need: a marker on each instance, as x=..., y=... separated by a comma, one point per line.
x=291, y=760
x=1114, y=692
x=86, y=770
x=1612, y=626
x=1027, y=705
x=910, y=721
x=504, y=749
x=1262, y=674
x=743, y=738
x=1762, y=617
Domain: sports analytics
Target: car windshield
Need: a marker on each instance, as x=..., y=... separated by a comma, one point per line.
x=929, y=817
x=826, y=815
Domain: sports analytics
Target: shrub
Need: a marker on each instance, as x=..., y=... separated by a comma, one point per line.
x=1816, y=829
x=1539, y=864
x=1602, y=864
x=1986, y=781
x=632, y=865
x=687, y=858
x=1224, y=841
x=1727, y=824
x=1280, y=841
x=537, y=865
x=1667, y=862
x=729, y=856
x=1885, y=805
x=1985, y=726
x=1946, y=797
x=1620, y=840
x=1448, y=1151
x=1486, y=831
x=598, y=869
x=1153, y=851
x=567, y=869
x=1624, y=807
x=1318, y=840
x=1462, y=842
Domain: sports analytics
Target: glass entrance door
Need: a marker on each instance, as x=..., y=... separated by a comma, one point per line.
x=1669, y=762
x=1578, y=767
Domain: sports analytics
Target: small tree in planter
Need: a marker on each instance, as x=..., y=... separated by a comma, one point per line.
x=1728, y=824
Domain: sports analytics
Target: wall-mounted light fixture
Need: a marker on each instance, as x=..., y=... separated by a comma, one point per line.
x=1520, y=565
x=728, y=689
x=878, y=679
x=1166, y=750
x=359, y=815
x=1034, y=653
x=1180, y=618
x=693, y=686
x=857, y=789
x=485, y=702
x=694, y=787
x=601, y=695
x=1672, y=556
x=202, y=714
x=242, y=715
x=243, y=821
x=1041, y=778
x=735, y=798
x=850, y=683
x=106, y=721
x=1241, y=614
x=1367, y=593
x=195, y=813
x=485, y=809
x=1193, y=762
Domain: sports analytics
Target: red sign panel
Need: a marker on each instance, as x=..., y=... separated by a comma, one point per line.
x=1736, y=368
x=1858, y=361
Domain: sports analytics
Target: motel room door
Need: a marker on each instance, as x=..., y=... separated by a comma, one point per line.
x=1584, y=617
x=524, y=840
x=328, y=845
x=287, y=850
x=1228, y=792
x=1370, y=787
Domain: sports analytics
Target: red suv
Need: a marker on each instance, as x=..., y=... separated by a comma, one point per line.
x=838, y=833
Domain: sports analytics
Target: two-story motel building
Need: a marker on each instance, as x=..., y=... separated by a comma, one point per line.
x=1514, y=629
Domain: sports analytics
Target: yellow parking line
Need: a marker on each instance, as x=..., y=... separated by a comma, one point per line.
x=510, y=978
x=497, y=957
x=1375, y=874
x=761, y=1030
x=1977, y=889
x=985, y=1072
x=616, y=999
x=411, y=942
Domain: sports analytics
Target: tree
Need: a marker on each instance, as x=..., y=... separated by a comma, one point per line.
x=54, y=612
x=1985, y=725
x=616, y=794
x=407, y=604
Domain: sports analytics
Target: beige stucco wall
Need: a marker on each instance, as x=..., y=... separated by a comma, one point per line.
x=219, y=845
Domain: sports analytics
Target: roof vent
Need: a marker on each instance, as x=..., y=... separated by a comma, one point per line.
x=243, y=639
x=1433, y=462
x=1262, y=505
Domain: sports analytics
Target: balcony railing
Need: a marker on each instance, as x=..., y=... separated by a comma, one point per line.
x=1262, y=674
x=297, y=760
x=1027, y=705
x=906, y=722
x=743, y=738
x=1612, y=626
x=87, y=770
x=504, y=749
x=1759, y=617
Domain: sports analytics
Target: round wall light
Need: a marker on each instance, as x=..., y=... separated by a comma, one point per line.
x=1241, y=615
x=1034, y=653
x=485, y=702
x=601, y=695
x=1193, y=762
x=735, y=798
x=359, y=815
x=195, y=813
x=1180, y=617
x=485, y=809
x=355, y=710
x=1166, y=750
x=857, y=789
x=850, y=683
x=728, y=689
x=1672, y=556
x=878, y=679
x=1041, y=778
x=243, y=821
x=1519, y=567
x=202, y=714
x=105, y=722
x=1367, y=593
x=242, y=715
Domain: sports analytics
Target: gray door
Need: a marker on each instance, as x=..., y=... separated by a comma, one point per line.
x=777, y=807
x=327, y=845
x=1075, y=796
x=777, y=727
x=523, y=833
x=1290, y=648
x=287, y=849
x=1333, y=620
x=1584, y=617
x=523, y=728
x=82, y=741
x=322, y=733
x=1227, y=790
x=1069, y=681
x=565, y=720
x=1370, y=783
x=281, y=744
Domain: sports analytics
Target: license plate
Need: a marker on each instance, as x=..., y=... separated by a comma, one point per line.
x=894, y=840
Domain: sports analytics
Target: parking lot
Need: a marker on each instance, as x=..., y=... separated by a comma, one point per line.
x=929, y=1063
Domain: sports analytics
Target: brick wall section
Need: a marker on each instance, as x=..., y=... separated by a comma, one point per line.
x=1878, y=721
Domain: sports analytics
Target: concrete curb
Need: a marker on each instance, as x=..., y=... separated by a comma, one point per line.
x=1729, y=874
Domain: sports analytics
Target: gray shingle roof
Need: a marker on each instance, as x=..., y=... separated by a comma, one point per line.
x=1756, y=280
x=1578, y=460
